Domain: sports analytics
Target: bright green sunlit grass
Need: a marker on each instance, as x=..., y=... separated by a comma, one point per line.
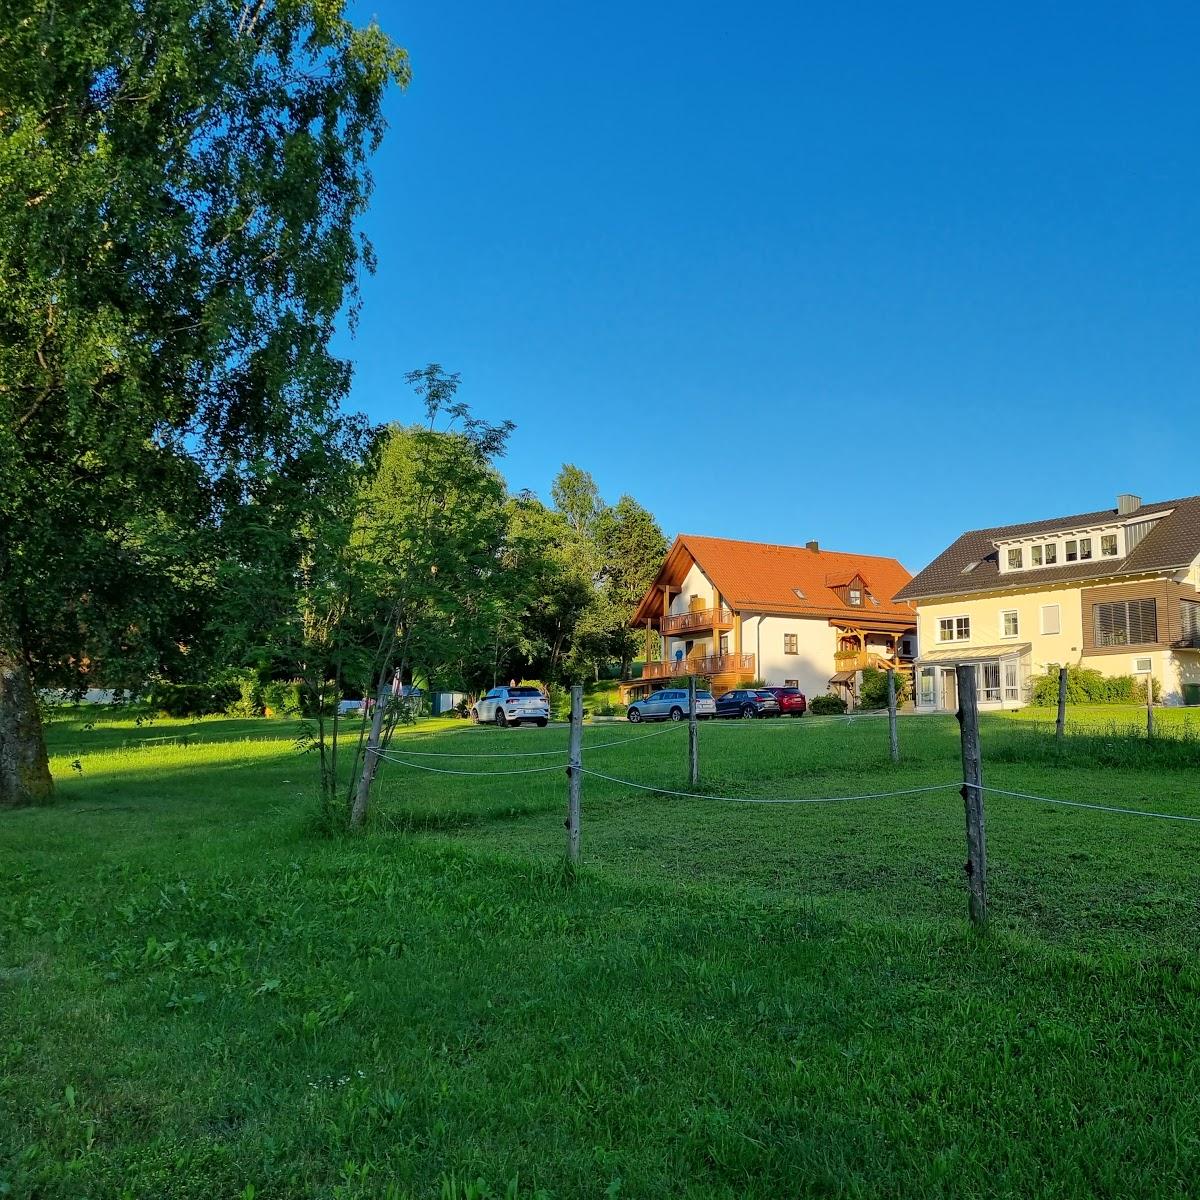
x=199, y=998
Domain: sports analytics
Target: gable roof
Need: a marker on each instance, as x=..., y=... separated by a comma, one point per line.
x=1172, y=544
x=761, y=578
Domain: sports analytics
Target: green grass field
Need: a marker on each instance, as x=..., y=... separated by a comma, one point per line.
x=202, y=997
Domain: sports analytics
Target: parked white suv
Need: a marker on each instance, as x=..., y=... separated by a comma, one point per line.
x=506, y=706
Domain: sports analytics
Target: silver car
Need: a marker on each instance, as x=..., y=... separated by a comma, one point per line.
x=671, y=704
x=506, y=706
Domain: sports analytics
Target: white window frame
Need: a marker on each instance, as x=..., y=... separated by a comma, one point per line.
x=1017, y=552
x=1016, y=633
x=1116, y=545
x=794, y=638
x=1148, y=669
x=1051, y=553
x=1035, y=556
x=1057, y=620
x=956, y=622
x=930, y=674
x=990, y=695
x=1011, y=691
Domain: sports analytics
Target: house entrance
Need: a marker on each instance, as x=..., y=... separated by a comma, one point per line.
x=949, y=695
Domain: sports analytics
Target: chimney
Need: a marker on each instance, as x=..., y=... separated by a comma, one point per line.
x=1127, y=503
x=813, y=546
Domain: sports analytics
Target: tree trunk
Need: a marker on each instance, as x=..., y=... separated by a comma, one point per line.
x=24, y=767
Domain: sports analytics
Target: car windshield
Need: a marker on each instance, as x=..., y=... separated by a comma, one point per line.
x=704, y=695
x=524, y=691
x=786, y=691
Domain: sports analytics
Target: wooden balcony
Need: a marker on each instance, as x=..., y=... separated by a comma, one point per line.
x=701, y=618
x=858, y=660
x=710, y=665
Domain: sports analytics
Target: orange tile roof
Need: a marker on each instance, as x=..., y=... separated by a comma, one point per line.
x=755, y=577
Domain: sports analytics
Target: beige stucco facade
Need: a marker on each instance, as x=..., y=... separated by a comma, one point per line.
x=1034, y=630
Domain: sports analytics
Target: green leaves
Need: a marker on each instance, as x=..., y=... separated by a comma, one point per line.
x=180, y=182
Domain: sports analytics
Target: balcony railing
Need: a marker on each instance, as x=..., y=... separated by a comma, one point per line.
x=710, y=664
x=701, y=618
x=857, y=660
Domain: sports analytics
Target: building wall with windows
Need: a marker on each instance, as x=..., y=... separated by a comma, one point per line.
x=1062, y=626
x=1049, y=619
x=791, y=649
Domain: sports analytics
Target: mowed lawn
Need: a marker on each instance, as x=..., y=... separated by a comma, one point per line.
x=200, y=996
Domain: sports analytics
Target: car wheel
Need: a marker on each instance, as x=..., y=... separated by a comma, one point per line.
x=748, y=712
x=634, y=715
x=501, y=719
x=677, y=714
x=475, y=715
x=542, y=722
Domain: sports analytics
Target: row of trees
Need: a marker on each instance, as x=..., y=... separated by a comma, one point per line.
x=181, y=488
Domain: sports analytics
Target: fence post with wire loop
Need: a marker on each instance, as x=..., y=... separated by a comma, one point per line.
x=693, y=734
x=574, y=774
x=1060, y=728
x=893, y=736
x=1150, y=704
x=972, y=793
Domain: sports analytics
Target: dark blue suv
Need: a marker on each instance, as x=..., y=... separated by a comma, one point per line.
x=747, y=702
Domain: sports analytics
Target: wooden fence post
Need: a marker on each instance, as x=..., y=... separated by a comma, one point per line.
x=1149, y=704
x=972, y=793
x=893, y=736
x=1061, y=727
x=693, y=734
x=574, y=774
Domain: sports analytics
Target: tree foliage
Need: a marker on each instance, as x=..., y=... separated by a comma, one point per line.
x=180, y=182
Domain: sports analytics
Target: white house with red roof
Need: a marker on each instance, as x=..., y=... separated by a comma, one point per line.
x=797, y=616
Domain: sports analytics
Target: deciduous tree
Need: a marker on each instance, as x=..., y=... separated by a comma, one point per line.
x=180, y=182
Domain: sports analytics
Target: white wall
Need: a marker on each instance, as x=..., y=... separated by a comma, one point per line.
x=811, y=666
x=695, y=583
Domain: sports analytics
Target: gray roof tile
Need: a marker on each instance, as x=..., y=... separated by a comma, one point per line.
x=1173, y=543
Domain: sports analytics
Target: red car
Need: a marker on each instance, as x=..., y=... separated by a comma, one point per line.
x=791, y=701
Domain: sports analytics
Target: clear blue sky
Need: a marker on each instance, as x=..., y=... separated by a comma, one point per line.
x=869, y=273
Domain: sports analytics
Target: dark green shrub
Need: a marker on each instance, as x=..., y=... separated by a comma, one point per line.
x=283, y=699
x=1085, y=685
x=249, y=702
x=192, y=699
x=873, y=693
x=827, y=705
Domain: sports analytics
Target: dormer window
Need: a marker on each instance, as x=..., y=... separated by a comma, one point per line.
x=1108, y=546
x=1085, y=548
x=1016, y=558
x=856, y=596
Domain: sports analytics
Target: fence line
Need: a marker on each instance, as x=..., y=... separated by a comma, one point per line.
x=645, y=787
x=1129, y=812
x=400, y=762
x=673, y=725
x=663, y=791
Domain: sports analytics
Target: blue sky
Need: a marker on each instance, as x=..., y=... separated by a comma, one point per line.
x=868, y=273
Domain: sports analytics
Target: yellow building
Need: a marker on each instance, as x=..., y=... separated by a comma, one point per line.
x=1116, y=590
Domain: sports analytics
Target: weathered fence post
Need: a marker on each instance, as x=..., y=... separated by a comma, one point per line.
x=1149, y=704
x=893, y=736
x=972, y=793
x=1061, y=727
x=574, y=774
x=693, y=734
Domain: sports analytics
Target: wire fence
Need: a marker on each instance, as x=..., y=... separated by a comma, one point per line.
x=971, y=786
